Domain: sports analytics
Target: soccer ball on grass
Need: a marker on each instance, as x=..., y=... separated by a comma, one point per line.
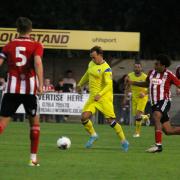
x=63, y=143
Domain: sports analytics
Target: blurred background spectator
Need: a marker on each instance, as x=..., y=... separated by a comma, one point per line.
x=47, y=88
x=69, y=82
x=60, y=89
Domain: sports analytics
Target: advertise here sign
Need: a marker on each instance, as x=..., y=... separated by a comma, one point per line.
x=60, y=103
x=79, y=40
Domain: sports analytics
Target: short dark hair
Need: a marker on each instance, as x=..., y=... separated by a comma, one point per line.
x=164, y=60
x=68, y=71
x=137, y=62
x=24, y=25
x=97, y=49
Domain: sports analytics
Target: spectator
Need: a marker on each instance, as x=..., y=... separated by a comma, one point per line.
x=69, y=82
x=47, y=87
x=60, y=86
x=60, y=89
x=69, y=85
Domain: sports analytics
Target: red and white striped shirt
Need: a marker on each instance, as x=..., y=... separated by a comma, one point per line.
x=178, y=72
x=19, y=54
x=159, y=85
x=48, y=88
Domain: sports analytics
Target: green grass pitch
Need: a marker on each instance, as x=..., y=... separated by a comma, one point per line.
x=104, y=161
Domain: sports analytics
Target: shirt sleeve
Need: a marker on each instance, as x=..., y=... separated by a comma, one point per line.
x=174, y=80
x=178, y=72
x=39, y=50
x=107, y=81
x=84, y=79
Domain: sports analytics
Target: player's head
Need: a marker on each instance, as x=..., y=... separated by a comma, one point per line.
x=47, y=81
x=24, y=25
x=162, y=62
x=96, y=53
x=137, y=68
x=69, y=74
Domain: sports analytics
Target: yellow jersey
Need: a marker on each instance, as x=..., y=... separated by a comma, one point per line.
x=135, y=89
x=99, y=78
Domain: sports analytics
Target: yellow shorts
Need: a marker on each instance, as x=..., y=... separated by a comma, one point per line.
x=103, y=105
x=138, y=104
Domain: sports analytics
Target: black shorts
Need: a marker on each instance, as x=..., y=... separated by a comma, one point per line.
x=162, y=106
x=11, y=102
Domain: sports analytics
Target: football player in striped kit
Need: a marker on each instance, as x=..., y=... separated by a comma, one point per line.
x=159, y=81
x=25, y=78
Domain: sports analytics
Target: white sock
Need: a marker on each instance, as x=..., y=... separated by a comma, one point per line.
x=33, y=157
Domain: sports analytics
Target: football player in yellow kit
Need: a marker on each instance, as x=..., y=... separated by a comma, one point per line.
x=139, y=97
x=99, y=78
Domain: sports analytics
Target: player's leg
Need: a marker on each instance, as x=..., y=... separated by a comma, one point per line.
x=88, y=125
x=9, y=105
x=139, y=117
x=138, y=122
x=141, y=107
x=120, y=133
x=86, y=121
x=157, y=115
x=170, y=130
x=31, y=105
x=34, y=138
x=136, y=118
x=87, y=112
x=106, y=107
x=3, y=123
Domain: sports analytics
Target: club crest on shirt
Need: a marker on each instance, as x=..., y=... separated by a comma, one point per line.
x=156, y=81
x=99, y=70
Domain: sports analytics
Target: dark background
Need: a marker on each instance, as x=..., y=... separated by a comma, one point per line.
x=158, y=21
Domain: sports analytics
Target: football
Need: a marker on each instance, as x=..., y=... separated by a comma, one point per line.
x=63, y=143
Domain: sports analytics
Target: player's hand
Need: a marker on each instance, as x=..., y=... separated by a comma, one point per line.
x=128, y=82
x=141, y=94
x=97, y=97
x=78, y=89
x=40, y=90
x=177, y=91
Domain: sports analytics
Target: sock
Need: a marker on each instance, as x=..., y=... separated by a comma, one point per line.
x=2, y=127
x=89, y=127
x=145, y=117
x=138, y=127
x=34, y=137
x=158, y=137
x=33, y=157
x=118, y=129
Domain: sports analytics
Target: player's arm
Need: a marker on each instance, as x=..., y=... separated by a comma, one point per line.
x=39, y=72
x=176, y=82
x=140, y=84
x=1, y=61
x=2, y=57
x=84, y=80
x=178, y=76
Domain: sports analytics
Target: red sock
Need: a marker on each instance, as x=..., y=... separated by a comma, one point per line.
x=34, y=136
x=2, y=127
x=158, y=137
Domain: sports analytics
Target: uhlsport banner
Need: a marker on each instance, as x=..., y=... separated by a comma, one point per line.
x=78, y=40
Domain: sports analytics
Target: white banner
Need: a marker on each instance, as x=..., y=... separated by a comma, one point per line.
x=60, y=103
